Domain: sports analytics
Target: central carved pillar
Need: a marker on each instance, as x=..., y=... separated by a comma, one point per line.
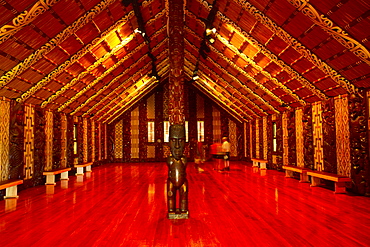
x=176, y=50
x=177, y=184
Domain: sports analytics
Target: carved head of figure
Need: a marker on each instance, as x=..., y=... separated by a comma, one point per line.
x=177, y=140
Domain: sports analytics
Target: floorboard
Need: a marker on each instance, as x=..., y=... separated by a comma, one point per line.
x=125, y=205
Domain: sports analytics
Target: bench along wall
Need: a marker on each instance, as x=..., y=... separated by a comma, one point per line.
x=330, y=136
x=34, y=140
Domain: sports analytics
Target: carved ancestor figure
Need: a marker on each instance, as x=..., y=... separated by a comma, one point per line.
x=177, y=181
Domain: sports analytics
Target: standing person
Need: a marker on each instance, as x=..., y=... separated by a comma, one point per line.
x=226, y=149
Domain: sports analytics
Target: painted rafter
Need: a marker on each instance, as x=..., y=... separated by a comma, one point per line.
x=118, y=97
x=96, y=81
x=126, y=85
x=260, y=69
x=135, y=93
x=216, y=93
x=107, y=86
x=261, y=48
x=99, y=62
x=218, y=102
x=131, y=102
x=336, y=32
x=300, y=48
x=86, y=49
x=237, y=80
x=263, y=88
x=235, y=92
x=25, y=18
x=57, y=40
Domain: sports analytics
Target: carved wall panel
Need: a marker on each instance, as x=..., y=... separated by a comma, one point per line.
x=89, y=140
x=105, y=141
x=80, y=140
x=257, y=138
x=317, y=136
x=135, y=133
x=4, y=138
x=291, y=137
x=109, y=141
x=150, y=116
x=57, y=138
x=299, y=137
x=216, y=122
x=224, y=124
x=308, y=137
x=250, y=123
x=69, y=150
x=63, y=133
x=118, y=140
x=93, y=141
x=159, y=124
x=264, y=136
x=285, y=138
x=233, y=139
x=143, y=130
x=245, y=136
x=279, y=137
x=269, y=138
x=39, y=147
x=260, y=130
x=99, y=141
x=16, y=160
x=127, y=136
x=28, y=141
x=239, y=140
x=84, y=140
x=49, y=140
x=329, y=136
x=359, y=143
x=342, y=134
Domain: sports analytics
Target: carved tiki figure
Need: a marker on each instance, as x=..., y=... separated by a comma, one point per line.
x=177, y=181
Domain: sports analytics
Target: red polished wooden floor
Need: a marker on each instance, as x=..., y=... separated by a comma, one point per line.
x=125, y=205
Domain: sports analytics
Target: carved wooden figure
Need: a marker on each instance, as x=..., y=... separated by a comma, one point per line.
x=177, y=182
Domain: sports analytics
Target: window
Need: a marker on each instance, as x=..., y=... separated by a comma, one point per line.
x=75, y=129
x=200, y=129
x=166, y=130
x=151, y=131
x=186, y=131
x=274, y=140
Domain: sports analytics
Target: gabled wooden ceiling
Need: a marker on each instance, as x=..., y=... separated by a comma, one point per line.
x=95, y=58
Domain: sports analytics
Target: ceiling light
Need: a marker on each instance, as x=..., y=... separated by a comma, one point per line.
x=210, y=31
x=211, y=40
x=196, y=77
x=137, y=30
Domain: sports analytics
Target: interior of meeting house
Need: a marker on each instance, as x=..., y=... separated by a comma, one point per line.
x=184, y=123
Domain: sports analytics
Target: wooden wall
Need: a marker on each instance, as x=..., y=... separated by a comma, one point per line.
x=195, y=110
x=331, y=135
x=334, y=134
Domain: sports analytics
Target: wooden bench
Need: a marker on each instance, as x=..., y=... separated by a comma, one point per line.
x=80, y=167
x=303, y=172
x=340, y=181
x=50, y=175
x=11, y=187
x=261, y=163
